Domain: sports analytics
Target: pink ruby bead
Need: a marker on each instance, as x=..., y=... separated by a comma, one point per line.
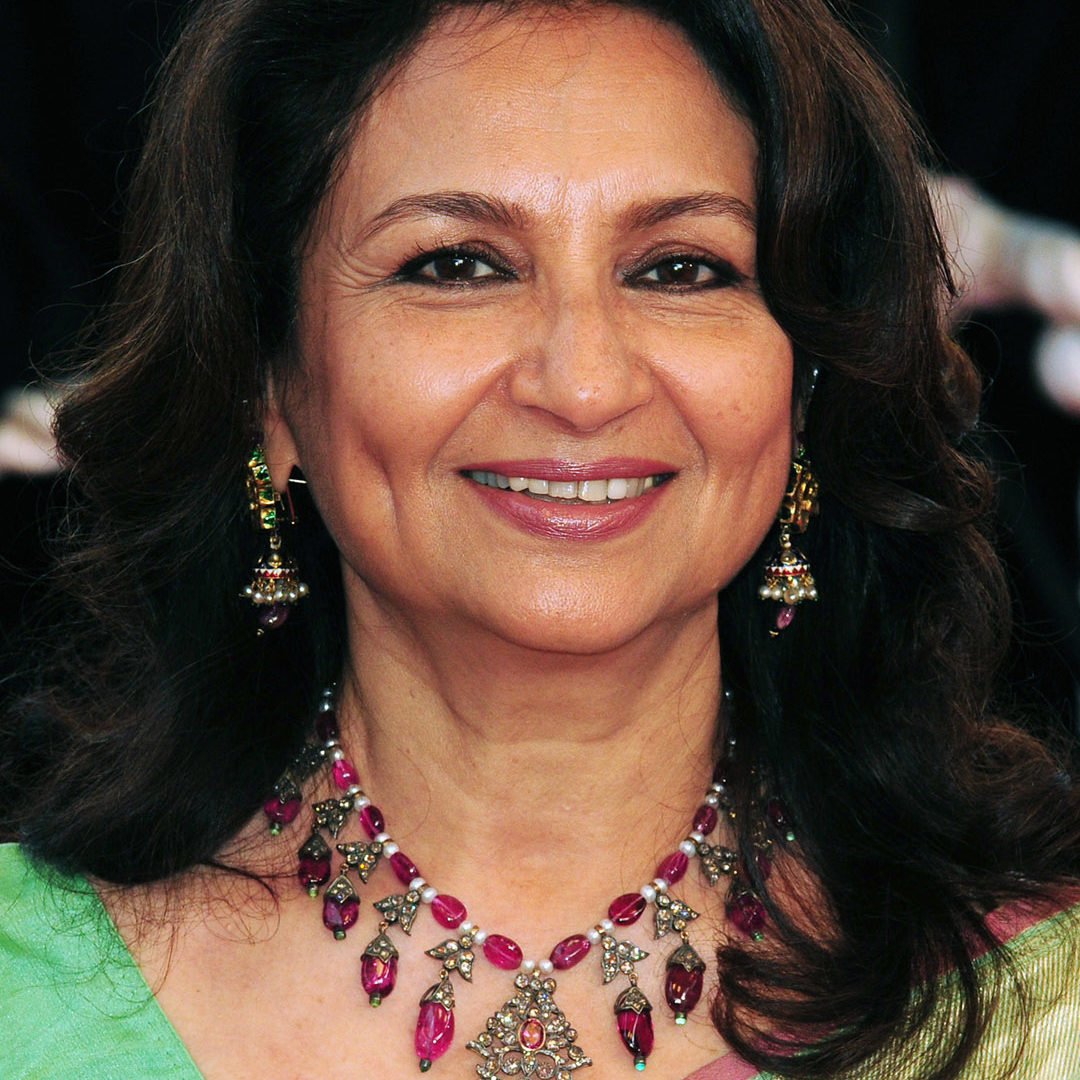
x=313, y=872
x=404, y=867
x=784, y=617
x=637, y=1033
x=449, y=911
x=570, y=951
x=273, y=617
x=281, y=813
x=502, y=952
x=673, y=867
x=338, y=916
x=378, y=976
x=434, y=1033
x=344, y=774
x=779, y=817
x=705, y=819
x=747, y=913
x=326, y=726
x=532, y=1035
x=682, y=989
x=774, y=809
x=372, y=820
x=626, y=909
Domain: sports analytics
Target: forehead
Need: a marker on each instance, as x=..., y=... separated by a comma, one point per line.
x=548, y=99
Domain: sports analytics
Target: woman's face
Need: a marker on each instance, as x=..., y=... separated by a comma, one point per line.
x=536, y=271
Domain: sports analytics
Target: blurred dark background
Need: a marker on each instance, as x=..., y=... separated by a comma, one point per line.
x=997, y=85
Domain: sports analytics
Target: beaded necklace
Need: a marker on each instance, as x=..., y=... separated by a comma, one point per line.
x=529, y=1034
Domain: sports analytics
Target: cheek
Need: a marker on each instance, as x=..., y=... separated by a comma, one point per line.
x=397, y=389
x=740, y=410
x=742, y=407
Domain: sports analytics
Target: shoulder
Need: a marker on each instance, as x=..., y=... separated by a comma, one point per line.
x=1033, y=978
x=1033, y=981
x=72, y=996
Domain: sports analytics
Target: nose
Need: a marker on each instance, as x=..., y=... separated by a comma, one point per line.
x=580, y=365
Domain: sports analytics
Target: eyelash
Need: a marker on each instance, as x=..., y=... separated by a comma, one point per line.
x=411, y=270
x=724, y=274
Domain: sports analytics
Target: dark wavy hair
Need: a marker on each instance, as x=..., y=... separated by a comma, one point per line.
x=158, y=720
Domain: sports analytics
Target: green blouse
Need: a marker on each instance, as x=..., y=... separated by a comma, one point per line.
x=73, y=1004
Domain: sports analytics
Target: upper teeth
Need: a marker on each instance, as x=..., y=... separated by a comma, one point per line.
x=618, y=487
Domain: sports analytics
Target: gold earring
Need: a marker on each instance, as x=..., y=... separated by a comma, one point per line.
x=788, y=579
x=275, y=585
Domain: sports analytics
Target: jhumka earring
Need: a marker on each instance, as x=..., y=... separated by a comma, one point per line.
x=275, y=584
x=787, y=574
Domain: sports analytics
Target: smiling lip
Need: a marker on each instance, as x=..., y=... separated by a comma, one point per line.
x=565, y=515
x=556, y=469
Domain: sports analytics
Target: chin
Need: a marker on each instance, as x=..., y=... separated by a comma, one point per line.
x=587, y=630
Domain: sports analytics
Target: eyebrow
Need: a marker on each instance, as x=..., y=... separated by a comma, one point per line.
x=472, y=206
x=463, y=205
x=646, y=214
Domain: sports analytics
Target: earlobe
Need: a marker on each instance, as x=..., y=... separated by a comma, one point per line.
x=278, y=442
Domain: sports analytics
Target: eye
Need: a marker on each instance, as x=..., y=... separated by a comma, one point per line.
x=687, y=272
x=453, y=266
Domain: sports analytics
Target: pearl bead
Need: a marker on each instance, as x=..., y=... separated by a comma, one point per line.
x=607, y=925
x=696, y=837
x=389, y=847
x=593, y=934
x=712, y=799
x=468, y=927
x=688, y=847
x=337, y=753
x=428, y=893
x=382, y=838
x=528, y=966
x=360, y=800
x=417, y=884
x=478, y=935
x=546, y=967
x=649, y=892
x=660, y=885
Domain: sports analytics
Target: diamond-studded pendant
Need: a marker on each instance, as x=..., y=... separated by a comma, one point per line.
x=400, y=908
x=313, y=868
x=378, y=968
x=672, y=914
x=618, y=957
x=529, y=1036
x=633, y=1014
x=330, y=814
x=363, y=858
x=683, y=980
x=341, y=906
x=456, y=954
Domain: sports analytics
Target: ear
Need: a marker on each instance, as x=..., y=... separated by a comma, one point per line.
x=278, y=442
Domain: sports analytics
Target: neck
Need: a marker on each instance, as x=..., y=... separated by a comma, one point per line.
x=591, y=764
